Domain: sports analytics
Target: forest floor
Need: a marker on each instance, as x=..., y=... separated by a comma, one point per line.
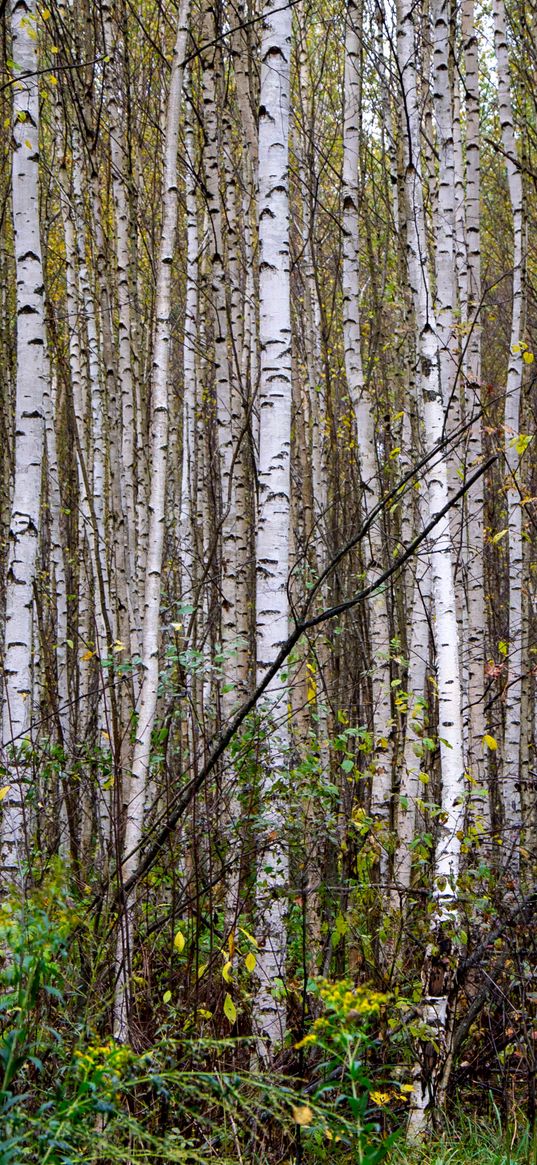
x=471, y=1140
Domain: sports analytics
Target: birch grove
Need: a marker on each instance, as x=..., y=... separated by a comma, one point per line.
x=267, y=532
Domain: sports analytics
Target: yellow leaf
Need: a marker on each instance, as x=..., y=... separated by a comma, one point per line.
x=87, y=655
x=53, y=80
x=250, y=962
x=179, y=942
x=528, y=357
x=202, y=969
x=177, y=626
x=230, y=1011
x=227, y=971
x=45, y=13
x=302, y=1114
x=4, y=791
x=166, y=997
x=250, y=937
x=118, y=646
x=380, y=1098
x=490, y=742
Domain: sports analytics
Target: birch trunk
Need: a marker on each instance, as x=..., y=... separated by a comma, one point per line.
x=31, y=386
x=125, y=342
x=187, y=509
x=273, y=515
x=379, y=626
x=136, y=784
x=410, y=786
x=473, y=548
x=510, y=779
x=441, y=956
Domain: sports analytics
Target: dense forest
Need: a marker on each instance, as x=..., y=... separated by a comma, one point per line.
x=268, y=581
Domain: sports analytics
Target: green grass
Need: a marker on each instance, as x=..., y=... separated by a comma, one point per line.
x=469, y=1141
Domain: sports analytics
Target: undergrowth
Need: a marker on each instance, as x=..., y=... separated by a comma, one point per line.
x=467, y=1140
x=70, y=1094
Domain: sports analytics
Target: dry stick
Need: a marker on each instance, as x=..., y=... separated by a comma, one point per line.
x=249, y=704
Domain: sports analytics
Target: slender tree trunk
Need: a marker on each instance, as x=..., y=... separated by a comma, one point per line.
x=136, y=784
x=511, y=759
x=31, y=385
x=440, y=961
x=379, y=626
x=273, y=514
x=472, y=370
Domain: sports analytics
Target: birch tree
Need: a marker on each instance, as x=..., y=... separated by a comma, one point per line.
x=136, y=784
x=438, y=968
x=272, y=553
x=379, y=629
x=511, y=760
x=31, y=385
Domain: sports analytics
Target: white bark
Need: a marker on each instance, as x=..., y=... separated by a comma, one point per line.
x=410, y=787
x=510, y=779
x=273, y=515
x=59, y=587
x=446, y=866
x=379, y=627
x=136, y=785
x=474, y=565
x=32, y=382
x=125, y=345
x=187, y=516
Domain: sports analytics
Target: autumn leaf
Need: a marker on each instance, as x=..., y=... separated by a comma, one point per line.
x=249, y=936
x=179, y=942
x=230, y=1011
x=302, y=1114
